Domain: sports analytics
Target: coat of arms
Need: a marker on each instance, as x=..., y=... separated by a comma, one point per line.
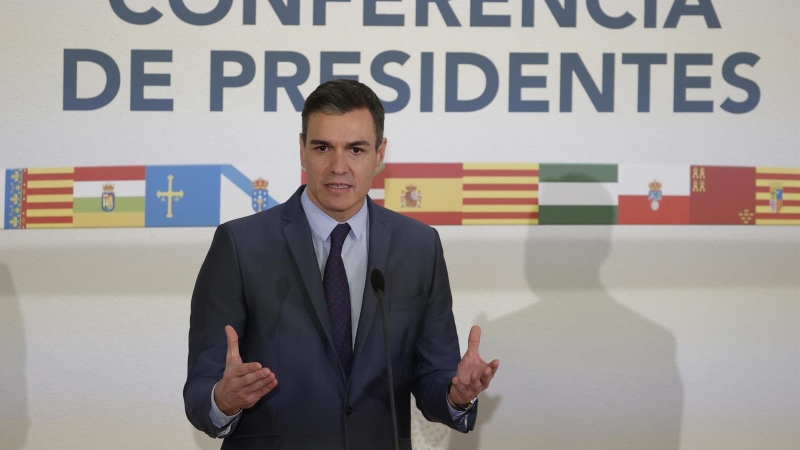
x=655, y=195
x=108, y=200
x=776, y=197
x=260, y=194
x=411, y=197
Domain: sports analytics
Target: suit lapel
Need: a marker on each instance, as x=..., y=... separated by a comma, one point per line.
x=298, y=236
x=380, y=236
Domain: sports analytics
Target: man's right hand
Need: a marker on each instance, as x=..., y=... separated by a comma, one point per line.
x=242, y=384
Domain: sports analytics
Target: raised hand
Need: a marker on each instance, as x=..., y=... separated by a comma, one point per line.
x=474, y=374
x=242, y=384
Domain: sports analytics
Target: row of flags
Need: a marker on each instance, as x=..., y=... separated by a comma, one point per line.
x=572, y=194
x=434, y=193
x=129, y=196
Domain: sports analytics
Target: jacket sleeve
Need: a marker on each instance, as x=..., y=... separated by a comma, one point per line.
x=437, y=352
x=217, y=300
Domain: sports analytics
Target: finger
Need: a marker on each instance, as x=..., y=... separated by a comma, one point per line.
x=253, y=377
x=494, y=365
x=232, y=356
x=474, y=339
x=243, y=369
x=475, y=382
x=267, y=389
x=486, y=378
x=259, y=384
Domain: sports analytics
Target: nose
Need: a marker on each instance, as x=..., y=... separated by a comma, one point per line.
x=338, y=162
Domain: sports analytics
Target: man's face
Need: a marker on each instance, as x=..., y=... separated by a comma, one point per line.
x=340, y=159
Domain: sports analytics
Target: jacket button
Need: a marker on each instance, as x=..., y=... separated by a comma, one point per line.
x=348, y=410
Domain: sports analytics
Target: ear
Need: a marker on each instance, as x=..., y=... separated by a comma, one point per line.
x=302, y=152
x=381, y=154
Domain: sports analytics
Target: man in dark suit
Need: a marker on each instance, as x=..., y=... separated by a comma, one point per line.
x=287, y=290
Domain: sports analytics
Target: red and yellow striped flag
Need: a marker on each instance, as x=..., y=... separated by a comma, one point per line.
x=777, y=196
x=500, y=194
x=47, y=197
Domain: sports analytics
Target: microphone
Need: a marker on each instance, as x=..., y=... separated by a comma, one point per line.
x=378, y=284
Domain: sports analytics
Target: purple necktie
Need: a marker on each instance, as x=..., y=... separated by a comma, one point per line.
x=337, y=294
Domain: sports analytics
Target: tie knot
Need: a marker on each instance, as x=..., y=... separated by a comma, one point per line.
x=338, y=235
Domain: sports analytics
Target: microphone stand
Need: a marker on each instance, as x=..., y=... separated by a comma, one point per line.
x=385, y=322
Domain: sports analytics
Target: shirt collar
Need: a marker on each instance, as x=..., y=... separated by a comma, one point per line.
x=323, y=224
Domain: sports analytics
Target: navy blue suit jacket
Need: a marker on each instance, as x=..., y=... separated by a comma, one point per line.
x=261, y=276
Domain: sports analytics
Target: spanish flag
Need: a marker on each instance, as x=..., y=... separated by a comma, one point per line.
x=430, y=193
x=777, y=196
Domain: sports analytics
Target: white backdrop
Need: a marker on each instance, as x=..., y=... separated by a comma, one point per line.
x=609, y=337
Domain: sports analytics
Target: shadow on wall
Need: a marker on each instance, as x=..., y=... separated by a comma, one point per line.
x=578, y=369
x=14, y=420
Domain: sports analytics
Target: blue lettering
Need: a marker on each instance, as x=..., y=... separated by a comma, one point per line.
x=645, y=61
x=272, y=82
x=140, y=79
x=372, y=18
x=380, y=76
x=451, y=100
x=703, y=8
x=517, y=81
x=478, y=19
x=71, y=59
x=603, y=101
x=745, y=84
x=218, y=79
x=683, y=82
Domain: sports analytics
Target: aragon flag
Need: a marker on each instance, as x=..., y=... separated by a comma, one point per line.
x=777, y=196
x=723, y=195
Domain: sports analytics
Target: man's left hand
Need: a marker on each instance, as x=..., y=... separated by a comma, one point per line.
x=474, y=374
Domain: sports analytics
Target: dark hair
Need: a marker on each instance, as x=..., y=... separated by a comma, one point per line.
x=339, y=97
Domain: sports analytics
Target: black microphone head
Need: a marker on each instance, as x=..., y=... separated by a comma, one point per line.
x=376, y=277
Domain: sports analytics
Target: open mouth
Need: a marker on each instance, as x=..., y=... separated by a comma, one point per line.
x=338, y=186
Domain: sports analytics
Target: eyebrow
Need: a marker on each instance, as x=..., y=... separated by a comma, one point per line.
x=349, y=144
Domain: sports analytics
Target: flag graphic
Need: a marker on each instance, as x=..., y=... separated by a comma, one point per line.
x=182, y=196
x=654, y=194
x=109, y=197
x=242, y=195
x=500, y=194
x=577, y=194
x=430, y=193
x=39, y=198
x=777, y=196
x=377, y=191
x=723, y=195
x=5, y=200
x=434, y=193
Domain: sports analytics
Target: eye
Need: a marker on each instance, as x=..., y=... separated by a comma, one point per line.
x=357, y=150
x=321, y=148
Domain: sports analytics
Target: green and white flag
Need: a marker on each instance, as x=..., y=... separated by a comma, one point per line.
x=578, y=194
